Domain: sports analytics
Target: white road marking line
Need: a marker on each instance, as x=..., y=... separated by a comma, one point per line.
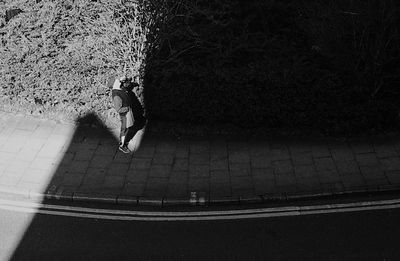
x=130, y=215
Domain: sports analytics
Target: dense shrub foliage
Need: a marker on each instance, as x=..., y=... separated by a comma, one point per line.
x=59, y=54
x=287, y=63
x=329, y=64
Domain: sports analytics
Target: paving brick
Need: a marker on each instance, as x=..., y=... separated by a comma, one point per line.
x=44, y=129
x=199, y=171
x=64, y=129
x=60, y=171
x=73, y=179
x=243, y=193
x=44, y=163
x=332, y=187
x=177, y=190
x=199, y=158
x=242, y=182
x=219, y=164
x=365, y=160
x=240, y=169
x=160, y=171
x=263, y=186
x=198, y=185
x=145, y=151
x=2, y=168
x=6, y=157
x=322, y=164
x=239, y=156
x=347, y=167
x=285, y=179
x=178, y=177
x=220, y=189
x=134, y=188
x=51, y=147
x=390, y=164
x=329, y=176
x=26, y=154
x=123, y=158
x=21, y=134
x=267, y=173
x=37, y=176
x=308, y=184
x=166, y=146
x=13, y=145
x=93, y=181
x=156, y=187
x=106, y=149
x=117, y=169
x=9, y=179
x=181, y=165
x=67, y=159
x=140, y=163
x=306, y=171
x=303, y=158
x=28, y=125
x=393, y=177
x=261, y=162
x=86, y=154
x=163, y=158
x=263, y=182
x=372, y=172
x=35, y=143
x=33, y=187
x=79, y=166
x=96, y=172
x=283, y=166
x=137, y=176
x=114, y=182
x=376, y=183
x=101, y=161
x=354, y=180
x=219, y=176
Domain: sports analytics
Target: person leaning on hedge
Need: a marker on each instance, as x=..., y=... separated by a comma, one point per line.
x=123, y=104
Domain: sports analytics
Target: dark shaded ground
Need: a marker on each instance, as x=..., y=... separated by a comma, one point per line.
x=350, y=236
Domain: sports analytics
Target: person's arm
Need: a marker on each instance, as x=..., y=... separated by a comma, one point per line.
x=118, y=105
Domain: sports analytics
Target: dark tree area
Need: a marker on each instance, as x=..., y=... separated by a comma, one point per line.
x=293, y=64
x=331, y=65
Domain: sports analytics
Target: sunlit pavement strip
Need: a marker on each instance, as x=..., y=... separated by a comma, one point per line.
x=130, y=215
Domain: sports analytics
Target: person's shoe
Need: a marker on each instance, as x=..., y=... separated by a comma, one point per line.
x=124, y=149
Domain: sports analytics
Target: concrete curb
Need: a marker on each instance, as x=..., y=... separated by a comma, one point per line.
x=64, y=195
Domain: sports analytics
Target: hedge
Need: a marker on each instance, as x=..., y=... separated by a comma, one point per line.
x=288, y=64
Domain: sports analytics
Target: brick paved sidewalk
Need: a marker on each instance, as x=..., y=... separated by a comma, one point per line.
x=80, y=161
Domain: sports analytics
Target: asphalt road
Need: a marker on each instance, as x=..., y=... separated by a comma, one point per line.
x=367, y=235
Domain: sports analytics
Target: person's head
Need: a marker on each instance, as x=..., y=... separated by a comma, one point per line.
x=128, y=84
